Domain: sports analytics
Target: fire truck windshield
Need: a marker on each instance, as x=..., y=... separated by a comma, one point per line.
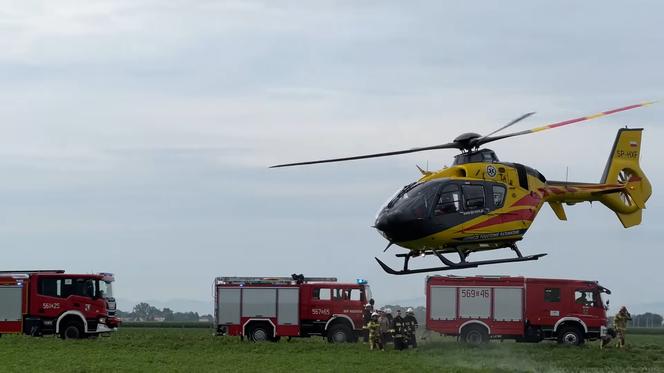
x=367, y=293
x=105, y=289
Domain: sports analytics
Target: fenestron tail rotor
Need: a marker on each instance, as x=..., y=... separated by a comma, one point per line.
x=470, y=141
x=625, y=176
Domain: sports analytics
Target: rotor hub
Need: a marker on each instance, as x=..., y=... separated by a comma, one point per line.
x=466, y=141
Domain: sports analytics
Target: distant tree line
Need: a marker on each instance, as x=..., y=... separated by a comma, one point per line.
x=145, y=312
x=647, y=320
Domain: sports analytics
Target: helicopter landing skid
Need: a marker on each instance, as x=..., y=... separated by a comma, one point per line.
x=450, y=265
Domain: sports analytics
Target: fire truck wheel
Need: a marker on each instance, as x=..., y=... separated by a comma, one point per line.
x=260, y=333
x=474, y=335
x=339, y=333
x=71, y=330
x=570, y=335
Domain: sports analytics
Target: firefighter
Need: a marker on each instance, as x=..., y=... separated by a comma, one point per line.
x=384, y=329
x=388, y=313
x=366, y=316
x=620, y=323
x=411, y=326
x=399, y=332
x=374, y=333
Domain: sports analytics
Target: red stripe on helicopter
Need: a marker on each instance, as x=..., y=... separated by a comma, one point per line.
x=532, y=200
x=600, y=187
x=556, y=190
x=524, y=214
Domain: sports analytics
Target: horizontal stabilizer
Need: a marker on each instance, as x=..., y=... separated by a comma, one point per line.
x=558, y=209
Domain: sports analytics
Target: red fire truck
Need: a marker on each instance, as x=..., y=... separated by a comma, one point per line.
x=268, y=308
x=53, y=302
x=526, y=309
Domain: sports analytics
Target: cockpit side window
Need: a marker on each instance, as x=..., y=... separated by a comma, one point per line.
x=473, y=197
x=498, y=196
x=449, y=200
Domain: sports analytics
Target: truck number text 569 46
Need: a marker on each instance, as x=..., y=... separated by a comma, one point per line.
x=474, y=293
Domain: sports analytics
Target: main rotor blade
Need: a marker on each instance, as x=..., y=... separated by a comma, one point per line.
x=487, y=139
x=376, y=155
x=519, y=119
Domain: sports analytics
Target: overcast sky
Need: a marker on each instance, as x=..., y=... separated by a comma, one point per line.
x=136, y=134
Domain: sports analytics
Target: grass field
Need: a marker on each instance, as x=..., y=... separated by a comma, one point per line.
x=197, y=350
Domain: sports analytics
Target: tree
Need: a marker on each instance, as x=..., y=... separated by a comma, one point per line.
x=142, y=311
x=647, y=320
x=168, y=314
x=152, y=313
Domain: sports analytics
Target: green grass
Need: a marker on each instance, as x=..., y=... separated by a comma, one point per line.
x=197, y=350
x=646, y=331
x=166, y=324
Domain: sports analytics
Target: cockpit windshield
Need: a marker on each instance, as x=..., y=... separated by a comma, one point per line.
x=417, y=198
x=392, y=198
x=402, y=194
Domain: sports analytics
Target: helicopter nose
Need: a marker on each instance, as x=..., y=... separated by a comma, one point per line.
x=399, y=226
x=389, y=225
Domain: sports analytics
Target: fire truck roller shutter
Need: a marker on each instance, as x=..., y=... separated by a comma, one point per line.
x=228, y=306
x=443, y=302
x=474, y=302
x=288, y=306
x=10, y=303
x=508, y=304
x=259, y=302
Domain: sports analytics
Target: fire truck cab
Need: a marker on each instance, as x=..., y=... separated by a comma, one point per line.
x=268, y=308
x=525, y=309
x=54, y=302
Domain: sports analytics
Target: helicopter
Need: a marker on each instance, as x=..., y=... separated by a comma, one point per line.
x=480, y=203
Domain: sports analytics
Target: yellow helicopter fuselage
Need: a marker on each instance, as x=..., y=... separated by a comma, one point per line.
x=484, y=205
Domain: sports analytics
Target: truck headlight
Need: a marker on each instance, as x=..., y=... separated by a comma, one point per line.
x=102, y=320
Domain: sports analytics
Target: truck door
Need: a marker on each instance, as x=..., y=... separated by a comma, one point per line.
x=321, y=301
x=48, y=301
x=350, y=304
x=544, y=306
x=79, y=294
x=587, y=306
x=341, y=301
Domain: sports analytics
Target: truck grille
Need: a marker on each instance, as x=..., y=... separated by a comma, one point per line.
x=110, y=302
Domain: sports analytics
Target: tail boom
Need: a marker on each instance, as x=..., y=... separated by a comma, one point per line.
x=624, y=187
